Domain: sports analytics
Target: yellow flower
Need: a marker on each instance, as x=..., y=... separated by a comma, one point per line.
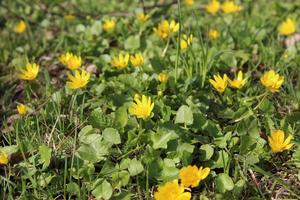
x=189, y=2
x=277, y=142
x=70, y=60
x=79, y=80
x=230, y=7
x=109, y=25
x=213, y=34
x=166, y=29
x=238, y=82
x=69, y=17
x=287, y=27
x=22, y=109
x=191, y=176
x=213, y=7
x=186, y=41
x=219, y=83
x=142, y=107
x=121, y=61
x=142, y=17
x=172, y=191
x=272, y=81
x=20, y=27
x=3, y=158
x=137, y=60
x=163, y=77
x=30, y=73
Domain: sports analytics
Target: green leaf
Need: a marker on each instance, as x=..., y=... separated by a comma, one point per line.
x=222, y=160
x=111, y=135
x=10, y=149
x=73, y=188
x=99, y=120
x=121, y=117
x=184, y=115
x=45, y=153
x=84, y=132
x=169, y=170
x=206, y=152
x=103, y=190
x=93, y=149
x=121, y=178
x=132, y=43
x=135, y=167
x=224, y=183
x=96, y=27
x=162, y=137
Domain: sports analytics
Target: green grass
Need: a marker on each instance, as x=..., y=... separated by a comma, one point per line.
x=84, y=144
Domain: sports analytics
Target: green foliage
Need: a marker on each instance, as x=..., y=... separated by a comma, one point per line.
x=88, y=144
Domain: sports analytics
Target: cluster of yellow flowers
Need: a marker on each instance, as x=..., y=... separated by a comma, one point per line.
x=287, y=27
x=213, y=34
x=109, y=25
x=122, y=60
x=163, y=77
x=79, y=80
x=22, y=109
x=70, y=60
x=74, y=62
x=278, y=143
x=227, y=7
x=165, y=29
x=190, y=176
x=142, y=18
x=20, y=27
x=3, y=158
x=142, y=107
x=186, y=41
x=69, y=17
x=189, y=2
x=220, y=83
x=271, y=80
x=30, y=72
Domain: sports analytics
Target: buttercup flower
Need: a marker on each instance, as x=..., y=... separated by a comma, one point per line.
x=213, y=34
x=287, y=27
x=238, y=82
x=30, y=72
x=213, y=7
x=22, y=109
x=142, y=17
x=191, y=176
x=137, y=60
x=166, y=29
x=186, y=41
x=230, y=7
x=172, y=191
x=121, y=61
x=277, y=142
x=272, y=81
x=163, y=77
x=20, y=27
x=70, y=60
x=219, y=83
x=189, y=2
x=142, y=107
x=78, y=80
x=69, y=17
x=3, y=158
x=109, y=25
